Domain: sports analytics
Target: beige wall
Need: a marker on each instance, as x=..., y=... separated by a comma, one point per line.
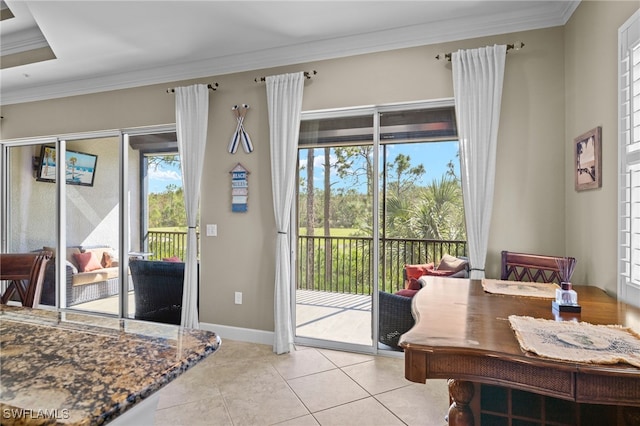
x=531, y=181
x=591, y=68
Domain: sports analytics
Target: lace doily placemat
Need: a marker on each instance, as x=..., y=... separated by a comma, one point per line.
x=577, y=341
x=520, y=288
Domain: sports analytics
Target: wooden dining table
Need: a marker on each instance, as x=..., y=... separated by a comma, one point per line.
x=463, y=334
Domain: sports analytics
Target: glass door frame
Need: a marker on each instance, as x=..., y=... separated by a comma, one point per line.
x=60, y=206
x=332, y=344
x=376, y=111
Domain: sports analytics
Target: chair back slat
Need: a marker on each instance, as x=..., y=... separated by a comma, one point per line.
x=530, y=267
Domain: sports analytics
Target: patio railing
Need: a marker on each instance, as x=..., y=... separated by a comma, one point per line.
x=343, y=264
x=337, y=264
x=164, y=244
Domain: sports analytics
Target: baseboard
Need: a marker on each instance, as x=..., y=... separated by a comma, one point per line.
x=240, y=334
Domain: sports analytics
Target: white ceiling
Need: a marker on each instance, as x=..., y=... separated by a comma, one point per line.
x=107, y=45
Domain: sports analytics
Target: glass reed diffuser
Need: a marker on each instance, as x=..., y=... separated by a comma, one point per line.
x=566, y=296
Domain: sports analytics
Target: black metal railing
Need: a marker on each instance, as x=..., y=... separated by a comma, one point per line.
x=337, y=264
x=165, y=244
x=343, y=264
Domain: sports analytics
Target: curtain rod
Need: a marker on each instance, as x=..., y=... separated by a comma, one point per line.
x=307, y=75
x=213, y=86
x=515, y=46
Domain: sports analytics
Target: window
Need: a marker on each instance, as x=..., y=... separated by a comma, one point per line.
x=629, y=161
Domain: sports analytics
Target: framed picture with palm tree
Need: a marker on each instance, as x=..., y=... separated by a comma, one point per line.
x=80, y=167
x=588, y=162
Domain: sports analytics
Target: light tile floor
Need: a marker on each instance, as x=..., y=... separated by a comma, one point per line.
x=247, y=384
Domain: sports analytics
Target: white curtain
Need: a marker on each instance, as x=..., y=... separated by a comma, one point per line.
x=192, y=113
x=284, y=101
x=478, y=75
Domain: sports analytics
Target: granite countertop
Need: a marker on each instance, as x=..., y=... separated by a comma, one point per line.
x=81, y=369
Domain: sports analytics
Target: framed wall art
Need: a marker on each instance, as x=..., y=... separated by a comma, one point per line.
x=80, y=167
x=588, y=159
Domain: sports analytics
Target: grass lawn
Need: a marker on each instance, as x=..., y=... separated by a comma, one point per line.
x=334, y=232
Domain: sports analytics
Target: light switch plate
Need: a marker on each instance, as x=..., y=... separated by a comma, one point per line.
x=212, y=230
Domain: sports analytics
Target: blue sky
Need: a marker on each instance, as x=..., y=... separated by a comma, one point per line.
x=434, y=156
x=162, y=176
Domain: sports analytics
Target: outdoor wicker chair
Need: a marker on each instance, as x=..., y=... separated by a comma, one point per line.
x=158, y=290
x=395, y=318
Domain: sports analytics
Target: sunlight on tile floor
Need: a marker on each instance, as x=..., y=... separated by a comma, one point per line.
x=247, y=384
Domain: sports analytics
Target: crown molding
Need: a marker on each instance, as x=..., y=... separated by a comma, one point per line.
x=406, y=37
x=30, y=39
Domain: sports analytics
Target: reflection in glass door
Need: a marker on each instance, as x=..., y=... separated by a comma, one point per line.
x=31, y=213
x=92, y=223
x=92, y=217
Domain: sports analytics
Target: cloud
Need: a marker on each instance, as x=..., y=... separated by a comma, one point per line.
x=165, y=175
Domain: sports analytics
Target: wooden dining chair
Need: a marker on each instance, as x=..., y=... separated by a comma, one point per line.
x=530, y=267
x=25, y=273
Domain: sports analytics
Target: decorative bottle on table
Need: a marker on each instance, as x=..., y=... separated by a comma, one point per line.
x=566, y=296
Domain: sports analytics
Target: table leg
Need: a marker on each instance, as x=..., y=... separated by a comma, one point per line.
x=461, y=392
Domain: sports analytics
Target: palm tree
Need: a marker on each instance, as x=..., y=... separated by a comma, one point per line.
x=48, y=152
x=73, y=161
x=439, y=213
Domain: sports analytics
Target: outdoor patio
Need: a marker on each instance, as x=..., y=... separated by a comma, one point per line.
x=320, y=315
x=333, y=316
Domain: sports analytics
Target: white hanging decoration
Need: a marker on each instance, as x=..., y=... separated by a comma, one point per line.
x=240, y=135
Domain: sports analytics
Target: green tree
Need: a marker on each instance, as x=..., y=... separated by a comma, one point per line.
x=166, y=209
x=404, y=173
x=355, y=163
x=439, y=213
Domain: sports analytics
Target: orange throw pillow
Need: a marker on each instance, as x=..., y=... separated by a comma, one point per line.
x=87, y=261
x=172, y=259
x=416, y=271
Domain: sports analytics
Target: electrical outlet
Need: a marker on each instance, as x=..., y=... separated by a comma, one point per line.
x=238, y=298
x=212, y=230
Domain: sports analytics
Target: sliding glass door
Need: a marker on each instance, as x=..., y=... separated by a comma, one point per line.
x=335, y=279
x=378, y=188
x=92, y=218
x=65, y=196
x=29, y=213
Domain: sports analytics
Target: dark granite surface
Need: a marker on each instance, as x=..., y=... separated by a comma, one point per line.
x=80, y=369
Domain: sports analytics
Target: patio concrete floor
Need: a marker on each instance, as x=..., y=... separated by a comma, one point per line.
x=321, y=315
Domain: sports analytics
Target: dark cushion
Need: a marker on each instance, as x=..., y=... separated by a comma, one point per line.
x=439, y=273
x=413, y=284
